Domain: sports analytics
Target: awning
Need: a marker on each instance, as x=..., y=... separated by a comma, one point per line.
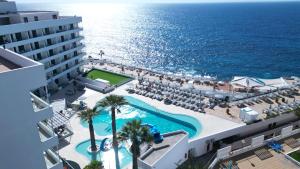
x=248, y=82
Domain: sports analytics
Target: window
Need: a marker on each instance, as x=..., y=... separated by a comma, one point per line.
x=36, y=18
x=69, y=76
x=2, y=40
x=36, y=45
x=49, y=41
x=21, y=49
x=25, y=19
x=73, y=35
x=51, y=52
x=34, y=34
x=62, y=38
x=54, y=16
x=53, y=62
x=47, y=31
x=71, y=26
x=19, y=36
x=39, y=56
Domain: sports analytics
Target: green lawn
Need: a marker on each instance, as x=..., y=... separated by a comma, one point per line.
x=113, y=78
x=295, y=155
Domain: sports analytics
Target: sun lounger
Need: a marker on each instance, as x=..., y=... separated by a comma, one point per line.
x=263, y=154
x=293, y=143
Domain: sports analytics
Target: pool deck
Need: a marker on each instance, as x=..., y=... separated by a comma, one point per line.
x=81, y=133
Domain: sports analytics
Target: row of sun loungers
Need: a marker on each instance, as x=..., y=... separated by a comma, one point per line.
x=185, y=99
x=282, y=108
x=263, y=154
x=228, y=164
x=293, y=143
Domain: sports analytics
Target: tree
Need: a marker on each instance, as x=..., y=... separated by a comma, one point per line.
x=94, y=165
x=138, y=135
x=101, y=53
x=114, y=102
x=87, y=116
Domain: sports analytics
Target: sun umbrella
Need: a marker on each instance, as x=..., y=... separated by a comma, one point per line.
x=248, y=82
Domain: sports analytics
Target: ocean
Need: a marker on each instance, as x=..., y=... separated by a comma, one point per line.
x=246, y=39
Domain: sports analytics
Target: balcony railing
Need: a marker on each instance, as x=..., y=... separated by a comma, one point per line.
x=37, y=37
x=63, y=62
x=38, y=103
x=61, y=53
x=53, y=46
x=45, y=131
x=52, y=160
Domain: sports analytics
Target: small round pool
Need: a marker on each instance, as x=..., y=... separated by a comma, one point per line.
x=136, y=109
x=106, y=157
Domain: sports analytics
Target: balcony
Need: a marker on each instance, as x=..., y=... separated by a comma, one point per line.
x=42, y=108
x=64, y=72
x=40, y=37
x=46, y=48
x=47, y=135
x=47, y=59
x=19, y=27
x=59, y=64
x=52, y=160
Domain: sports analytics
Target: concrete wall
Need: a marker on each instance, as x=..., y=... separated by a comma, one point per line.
x=40, y=15
x=175, y=156
x=21, y=145
x=7, y=7
x=199, y=147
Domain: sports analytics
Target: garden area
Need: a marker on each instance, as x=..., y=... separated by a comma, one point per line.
x=295, y=155
x=113, y=78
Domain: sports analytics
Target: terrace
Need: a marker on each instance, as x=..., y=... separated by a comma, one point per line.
x=158, y=151
x=6, y=65
x=204, y=94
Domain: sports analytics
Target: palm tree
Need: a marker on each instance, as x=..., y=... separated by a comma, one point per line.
x=87, y=116
x=95, y=165
x=114, y=102
x=138, y=135
x=101, y=53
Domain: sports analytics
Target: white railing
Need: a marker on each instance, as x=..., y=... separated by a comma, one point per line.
x=38, y=103
x=251, y=147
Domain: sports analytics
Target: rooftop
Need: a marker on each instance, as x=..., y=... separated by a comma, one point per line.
x=6, y=65
x=10, y=60
x=159, y=150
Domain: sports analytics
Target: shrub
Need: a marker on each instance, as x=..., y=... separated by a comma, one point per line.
x=94, y=165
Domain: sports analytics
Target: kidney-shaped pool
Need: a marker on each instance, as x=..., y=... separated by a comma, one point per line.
x=136, y=109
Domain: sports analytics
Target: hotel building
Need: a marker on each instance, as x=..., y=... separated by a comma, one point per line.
x=46, y=37
x=27, y=141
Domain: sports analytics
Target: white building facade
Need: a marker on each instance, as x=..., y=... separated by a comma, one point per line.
x=46, y=37
x=27, y=141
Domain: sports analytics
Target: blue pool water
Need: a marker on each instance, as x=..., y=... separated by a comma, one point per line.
x=164, y=121
x=252, y=39
x=106, y=157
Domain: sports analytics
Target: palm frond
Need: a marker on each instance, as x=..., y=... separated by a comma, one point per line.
x=88, y=114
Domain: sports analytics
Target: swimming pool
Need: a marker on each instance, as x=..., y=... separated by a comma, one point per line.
x=137, y=109
x=106, y=157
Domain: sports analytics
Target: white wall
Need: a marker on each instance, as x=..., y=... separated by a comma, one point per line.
x=21, y=147
x=199, y=146
x=175, y=156
x=7, y=7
